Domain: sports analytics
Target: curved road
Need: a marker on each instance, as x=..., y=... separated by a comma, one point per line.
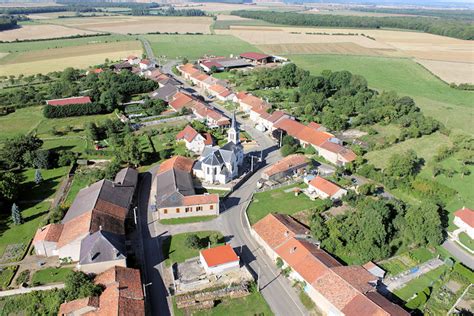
x=276, y=289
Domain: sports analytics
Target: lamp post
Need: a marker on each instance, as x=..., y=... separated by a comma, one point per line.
x=144, y=288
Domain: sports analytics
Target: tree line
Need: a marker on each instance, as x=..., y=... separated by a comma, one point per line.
x=467, y=15
x=7, y=23
x=446, y=27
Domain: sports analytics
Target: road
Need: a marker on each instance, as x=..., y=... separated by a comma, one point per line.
x=459, y=253
x=275, y=288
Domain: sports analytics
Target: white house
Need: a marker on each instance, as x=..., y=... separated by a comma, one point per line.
x=325, y=189
x=221, y=164
x=145, y=64
x=464, y=219
x=46, y=239
x=194, y=141
x=219, y=259
x=133, y=60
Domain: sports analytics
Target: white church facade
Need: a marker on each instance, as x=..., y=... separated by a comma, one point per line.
x=219, y=165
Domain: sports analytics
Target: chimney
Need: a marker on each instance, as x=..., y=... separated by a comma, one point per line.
x=292, y=250
x=287, y=233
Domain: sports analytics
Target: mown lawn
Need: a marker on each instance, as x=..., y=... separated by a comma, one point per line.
x=50, y=275
x=186, y=220
x=196, y=46
x=251, y=305
x=6, y=276
x=450, y=106
x=20, y=122
x=466, y=240
x=278, y=201
x=175, y=249
x=420, y=283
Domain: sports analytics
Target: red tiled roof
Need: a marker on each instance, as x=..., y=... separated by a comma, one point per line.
x=314, y=125
x=50, y=232
x=254, y=56
x=70, y=307
x=74, y=229
x=219, y=255
x=302, y=132
x=361, y=305
x=209, y=64
x=291, y=127
x=345, y=153
x=180, y=100
x=357, y=276
x=188, y=133
x=466, y=214
x=178, y=162
x=325, y=185
x=69, y=101
x=275, y=229
x=200, y=199
x=285, y=164
x=207, y=138
x=188, y=68
x=145, y=62
x=275, y=116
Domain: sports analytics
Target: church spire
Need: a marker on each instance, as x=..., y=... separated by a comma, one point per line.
x=233, y=132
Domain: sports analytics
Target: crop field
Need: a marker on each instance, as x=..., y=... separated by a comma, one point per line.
x=452, y=107
x=321, y=48
x=138, y=24
x=227, y=7
x=195, y=46
x=40, y=32
x=84, y=56
x=450, y=71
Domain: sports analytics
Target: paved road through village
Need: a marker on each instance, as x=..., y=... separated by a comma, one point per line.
x=275, y=288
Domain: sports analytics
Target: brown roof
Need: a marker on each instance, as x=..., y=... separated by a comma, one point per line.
x=302, y=132
x=335, y=289
x=391, y=308
x=200, y=199
x=357, y=276
x=275, y=116
x=189, y=69
x=75, y=228
x=361, y=305
x=188, y=133
x=180, y=100
x=325, y=186
x=254, y=56
x=50, y=232
x=179, y=162
x=345, y=153
x=275, y=229
x=73, y=306
x=285, y=164
x=219, y=255
x=466, y=214
x=207, y=138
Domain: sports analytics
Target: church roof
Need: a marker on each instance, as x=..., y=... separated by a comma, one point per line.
x=214, y=159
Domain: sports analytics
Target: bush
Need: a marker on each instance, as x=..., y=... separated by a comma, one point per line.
x=23, y=277
x=193, y=241
x=279, y=263
x=50, y=111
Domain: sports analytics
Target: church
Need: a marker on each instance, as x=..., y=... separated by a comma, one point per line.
x=220, y=165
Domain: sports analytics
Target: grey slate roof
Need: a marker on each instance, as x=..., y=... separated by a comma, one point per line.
x=164, y=93
x=102, y=246
x=214, y=159
x=127, y=176
x=172, y=185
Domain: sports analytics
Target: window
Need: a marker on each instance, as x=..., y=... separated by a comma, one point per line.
x=177, y=210
x=165, y=211
x=198, y=208
x=188, y=209
x=211, y=207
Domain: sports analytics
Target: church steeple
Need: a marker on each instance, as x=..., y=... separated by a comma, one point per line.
x=233, y=134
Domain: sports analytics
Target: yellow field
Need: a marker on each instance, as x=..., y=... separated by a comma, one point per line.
x=40, y=32
x=138, y=24
x=449, y=58
x=44, y=61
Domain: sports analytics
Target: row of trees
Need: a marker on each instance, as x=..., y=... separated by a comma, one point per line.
x=50, y=111
x=7, y=23
x=445, y=27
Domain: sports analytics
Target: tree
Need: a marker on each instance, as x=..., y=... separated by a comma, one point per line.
x=92, y=131
x=318, y=227
x=38, y=176
x=403, y=165
x=131, y=152
x=9, y=185
x=14, y=149
x=214, y=239
x=185, y=61
x=16, y=215
x=79, y=285
x=424, y=226
x=192, y=241
x=287, y=150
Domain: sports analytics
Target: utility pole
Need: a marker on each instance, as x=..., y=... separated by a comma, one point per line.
x=135, y=215
x=258, y=280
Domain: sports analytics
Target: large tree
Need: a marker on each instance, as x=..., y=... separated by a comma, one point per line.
x=424, y=225
x=14, y=149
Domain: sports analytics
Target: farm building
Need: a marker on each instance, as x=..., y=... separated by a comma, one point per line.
x=464, y=219
x=122, y=295
x=175, y=195
x=288, y=166
x=256, y=58
x=69, y=101
x=374, y=269
x=46, y=239
x=219, y=259
x=222, y=63
x=194, y=141
x=325, y=189
x=334, y=288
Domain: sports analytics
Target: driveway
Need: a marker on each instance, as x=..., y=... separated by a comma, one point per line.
x=459, y=253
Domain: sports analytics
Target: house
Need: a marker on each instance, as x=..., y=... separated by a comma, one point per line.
x=222, y=63
x=121, y=66
x=145, y=64
x=95, y=71
x=325, y=189
x=334, y=288
x=180, y=100
x=46, y=239
x=464, y=220
x=325, y=144
x=165, y=92
x=288, y=166
x=221, y=92
x=133, y=60
x=194, y=141
x=219, y=259
x=209, y=115
x=269, y=120
x=256, y=58
x=100, y=251
x=104, y=205
x=221, y=164
x=122, y=295
x=69, y=101
x=175, y=195
x=247, y=102
x=374, y=269
x=187, y=70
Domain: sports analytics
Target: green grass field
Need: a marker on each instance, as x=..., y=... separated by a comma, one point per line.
x=195, y=46
x=251, y=305
x=420, y=283
x=20, y=122
x=6, y=276
x=466, y=240
x=50, y=275
x=278, y=201
x=454, y=108
x=187, y=220
x=175, y=249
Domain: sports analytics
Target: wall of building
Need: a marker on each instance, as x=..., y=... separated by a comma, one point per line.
x=461, y=224
x=72, y=249
x=220, y=268
x=100, y=267
x=45, y=248
x=180, y=212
